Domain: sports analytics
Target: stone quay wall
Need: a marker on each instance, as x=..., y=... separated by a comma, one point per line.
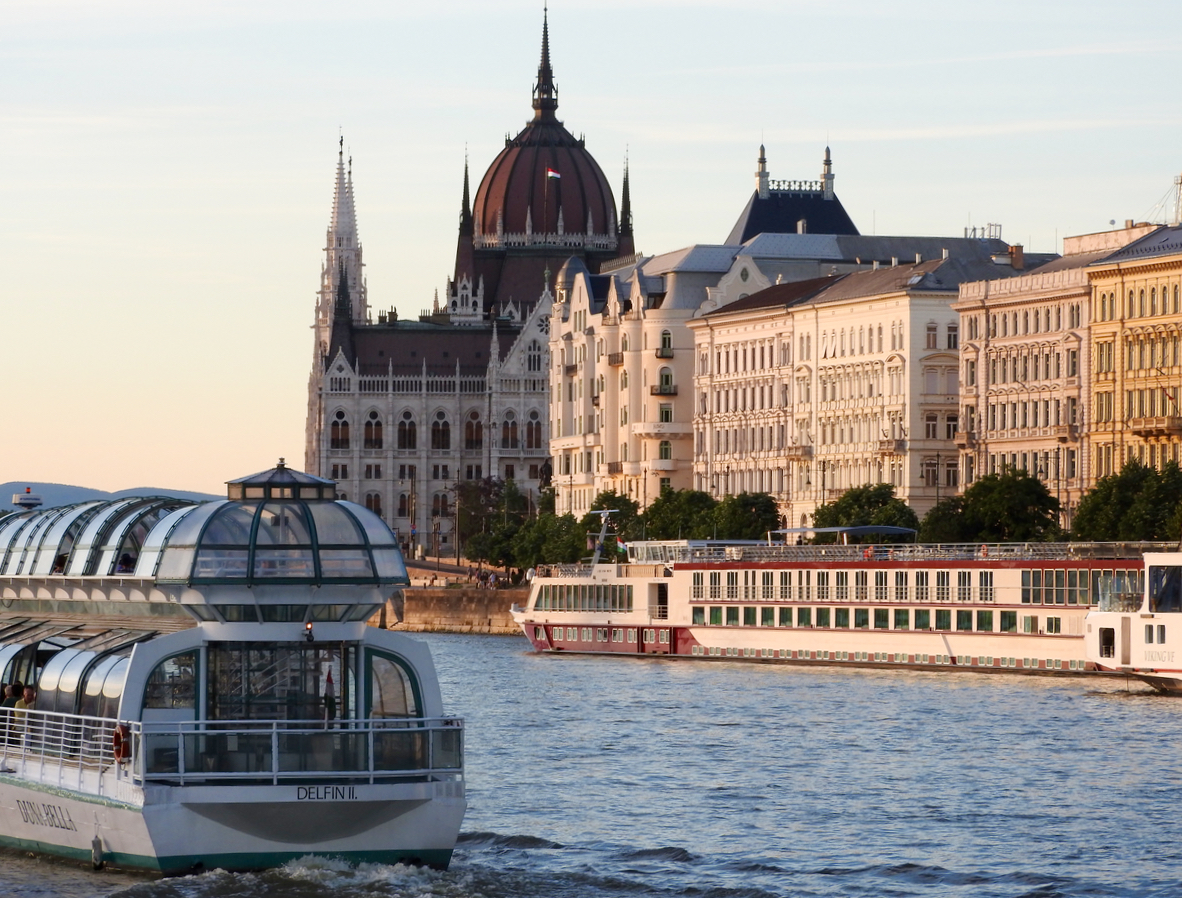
x=435, y=610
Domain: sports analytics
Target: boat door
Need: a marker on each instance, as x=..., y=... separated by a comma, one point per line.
x=1125, y=641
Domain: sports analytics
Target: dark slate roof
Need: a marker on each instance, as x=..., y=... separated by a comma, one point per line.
x=778, y=295
x=406, y=344
x=1165, y=241
x=781, y=210
x=1066, y=263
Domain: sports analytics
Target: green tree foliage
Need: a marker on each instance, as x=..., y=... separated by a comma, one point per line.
x=1012, y=507
x=550, y=539
x=491, y=513
x=1138, y=503
x=681, y=514
x=746, y=516
x=861, y=506
x=626, y=522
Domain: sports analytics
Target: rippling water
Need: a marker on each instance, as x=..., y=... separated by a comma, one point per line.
x=610, y=777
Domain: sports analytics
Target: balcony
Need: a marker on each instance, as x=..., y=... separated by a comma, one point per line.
x=570, y=370
x=1167, y=426
x=1065, y=433
x=595, y=399
x=615, y=468
x=662, y=429
x=663, y=390
x=665, y=352
x=663, y=464
x=798, y=453
x=892, y=447
x=615, y=359
x=964, y=440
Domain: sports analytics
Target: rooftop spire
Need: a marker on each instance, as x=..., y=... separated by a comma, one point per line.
x=545, y=94
x=625, y=205
x=466, y=204
x=344, y=217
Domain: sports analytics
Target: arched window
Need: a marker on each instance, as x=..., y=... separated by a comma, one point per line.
x=403, y=505
x=440, y=432
x=533, y=431
x=665, y=450
x=533, y=356
x=473, y=432
x=439, y=506
x=624, y=343
x=407, y=437
x=623, y=380
x=509, y=431
x=666, y=380
x=373, y=501
x=373, y=432
x=666, y=341
x=339, y=432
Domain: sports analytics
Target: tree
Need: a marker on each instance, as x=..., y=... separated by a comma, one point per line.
x=1137, y=503
x=549, y=539
x=1012, y=507
x=861, y=506
x=746, y=516
x=681, y=514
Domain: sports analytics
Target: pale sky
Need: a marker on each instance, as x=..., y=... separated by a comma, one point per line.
x=167, y=170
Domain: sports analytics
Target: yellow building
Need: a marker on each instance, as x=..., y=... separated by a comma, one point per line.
x=1136, y=356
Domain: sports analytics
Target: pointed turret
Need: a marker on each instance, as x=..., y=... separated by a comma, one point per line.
x=341, y=337
x=627, y=244
x=466, y=229
x=343, y=227
x=342, y=251
x=761, y=176
x=827, y=175
x=545, y=93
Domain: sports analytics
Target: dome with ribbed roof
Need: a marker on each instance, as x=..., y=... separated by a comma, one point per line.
x=544, y=183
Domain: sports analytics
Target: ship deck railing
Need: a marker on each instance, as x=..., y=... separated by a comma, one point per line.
x=644, y=555
x=75, y=752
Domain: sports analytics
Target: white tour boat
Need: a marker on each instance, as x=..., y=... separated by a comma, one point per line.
x=209, y=693
x=1004, y=607
x=1139, y=632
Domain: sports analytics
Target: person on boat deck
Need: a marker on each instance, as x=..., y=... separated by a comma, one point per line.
x=27, y=703
x=12, y=693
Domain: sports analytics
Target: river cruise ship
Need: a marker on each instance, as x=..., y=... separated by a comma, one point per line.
x=1140, y=634
x=1005, y=607
x=208, y=691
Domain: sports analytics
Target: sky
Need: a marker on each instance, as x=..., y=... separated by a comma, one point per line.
x=166, y=170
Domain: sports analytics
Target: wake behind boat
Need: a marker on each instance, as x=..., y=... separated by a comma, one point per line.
x=208, y=691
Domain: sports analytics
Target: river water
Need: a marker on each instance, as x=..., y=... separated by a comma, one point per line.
x=596, y=777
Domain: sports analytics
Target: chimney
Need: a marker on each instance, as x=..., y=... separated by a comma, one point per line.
x=918, y=258
x=1017, y=260
x=945, y=256
x=874, y=266
x=1128, y=223
x=894, y=261
x=802, y=226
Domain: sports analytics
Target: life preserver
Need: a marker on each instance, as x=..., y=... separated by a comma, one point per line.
x=121, y=743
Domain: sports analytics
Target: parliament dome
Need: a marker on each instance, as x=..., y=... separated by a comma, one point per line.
x=545, y=172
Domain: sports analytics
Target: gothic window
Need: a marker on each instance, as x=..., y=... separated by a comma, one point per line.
x=473, y=432
x=339, y=432
x=403, y=505
x=407, y=437
x=533, y=432
x=509, y=431
x=440, y=432
x=373, y=501
x=439, y=506
x=665, y=449
x=373, y=432
x=533, y=356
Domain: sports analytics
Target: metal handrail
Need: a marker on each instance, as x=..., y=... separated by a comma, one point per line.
x=77, y=752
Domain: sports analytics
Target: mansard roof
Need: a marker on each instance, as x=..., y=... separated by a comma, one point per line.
x=780, y=211
x=1165, y=241
x=777, y=296
x=403, y=346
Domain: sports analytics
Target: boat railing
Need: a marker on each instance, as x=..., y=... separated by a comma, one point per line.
x=295, y=751
x=64, y=750
x=691, y=554
x=1121, y=601
x=75, y=752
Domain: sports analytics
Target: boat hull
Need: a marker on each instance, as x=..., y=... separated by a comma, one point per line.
x=182, y=829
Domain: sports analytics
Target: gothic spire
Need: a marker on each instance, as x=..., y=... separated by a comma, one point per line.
x=341, y=333
x=466, y=229
x=625, y=205
x=545, y=94
x=343, y=229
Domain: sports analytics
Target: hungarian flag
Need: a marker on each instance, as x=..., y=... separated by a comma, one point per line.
x=551, y=173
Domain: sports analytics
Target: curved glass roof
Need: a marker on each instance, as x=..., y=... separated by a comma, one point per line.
x=285, y=529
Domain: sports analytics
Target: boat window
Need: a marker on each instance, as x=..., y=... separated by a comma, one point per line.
x=841, y=618
x=964, y=620
x=201, y=612
x=264, y=681
x=282, y=524
x=283, y=614
x=698, y=615
x=1165, y=589
x=345, y=563
x=882, y=619
x=280, y=562
x=362, y=612
x=1009, y=621
x=716, y=615
x=236, y=614
x=804, y=617
x=392, y=693
x=822, y=617
x=923, y=618
x=732, y=617
x=785, y=617
x=335, y=526
x=65, y=700
x=113, y=689
x=172, y=684
x=92, y=692
x=862, y=618
x=943, y=619
x=985, y=621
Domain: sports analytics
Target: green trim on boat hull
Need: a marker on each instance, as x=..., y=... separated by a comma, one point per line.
x=438, y=858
